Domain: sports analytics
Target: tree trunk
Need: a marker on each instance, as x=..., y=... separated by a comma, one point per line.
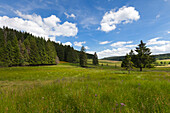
x=140, y=68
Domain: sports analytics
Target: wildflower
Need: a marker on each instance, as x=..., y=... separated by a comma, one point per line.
x=122, y=104
x=95, y=95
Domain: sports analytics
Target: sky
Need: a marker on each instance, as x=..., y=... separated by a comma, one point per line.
x=108, y=27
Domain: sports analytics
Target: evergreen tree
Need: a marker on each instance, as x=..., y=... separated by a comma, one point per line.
x=95, y=59
x=16, y=52
x=34, y=58
x=51, y=52
x=127, y=63
x=83, y=57
x=143, y=58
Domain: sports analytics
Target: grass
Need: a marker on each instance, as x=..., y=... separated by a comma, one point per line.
x=69, y=88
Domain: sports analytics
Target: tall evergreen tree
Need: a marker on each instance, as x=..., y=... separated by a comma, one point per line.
x=83, y=57
x=127, y=63
x=16, y=52
x=143, y=58
x=95, y=59
x=34, y=58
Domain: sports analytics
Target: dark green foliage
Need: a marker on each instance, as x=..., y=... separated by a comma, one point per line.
x=21, y=48
x=83, y=57
x=127, y=62
x=95, y=59
x=143, y=59
x=16, y=56
x=51, y=52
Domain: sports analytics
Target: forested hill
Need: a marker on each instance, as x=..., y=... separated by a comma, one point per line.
x=22, y=48
x=158, y=57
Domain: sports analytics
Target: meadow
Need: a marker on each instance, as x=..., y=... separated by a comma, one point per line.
x=69, y=88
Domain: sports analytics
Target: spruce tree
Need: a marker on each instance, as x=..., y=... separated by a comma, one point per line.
x=16, y=52
x=143, y=58
x=95, y=59
x=34, y=58
x=83, y=57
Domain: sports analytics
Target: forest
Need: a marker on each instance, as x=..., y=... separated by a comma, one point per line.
x=21, y=48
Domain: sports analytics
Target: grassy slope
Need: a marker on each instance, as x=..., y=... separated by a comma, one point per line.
x=69, y=88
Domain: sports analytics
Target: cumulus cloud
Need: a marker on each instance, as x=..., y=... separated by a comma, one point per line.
x=120, y=44
x=70, y=16
x=67, y=43
x=105, y=42
x=155, y=41
x=113, y=52
x=86, y=47
x=79, y=44
x=123, y=15
x=49, y=27
x=158, y=46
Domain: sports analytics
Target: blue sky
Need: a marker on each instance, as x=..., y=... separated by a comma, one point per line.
x=108, y=27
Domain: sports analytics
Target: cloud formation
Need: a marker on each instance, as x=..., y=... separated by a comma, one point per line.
x=120, y=44
x=79, y=44
x=70, y=16
x=67, y=43
x=123, y=15
x=49, y=27
x=105, y=42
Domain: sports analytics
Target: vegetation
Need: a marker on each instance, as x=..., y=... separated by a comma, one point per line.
x=143, y=59
x=95, y=59
x=68, y=88
x=83, y=57
x=21, y=48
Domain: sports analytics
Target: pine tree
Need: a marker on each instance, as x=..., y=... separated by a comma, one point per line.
x=83, y=57
x=95, y=59
x=34, y=58
x=16, y=52
x=143, y=58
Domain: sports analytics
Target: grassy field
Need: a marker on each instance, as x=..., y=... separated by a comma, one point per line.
x=70, y=88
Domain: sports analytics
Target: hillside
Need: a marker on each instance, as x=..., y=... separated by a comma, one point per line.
x=120, y=58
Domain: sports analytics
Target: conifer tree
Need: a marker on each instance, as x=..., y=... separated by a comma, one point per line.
x=16, y=52
x=143, y=58
x=83, y=57
x=95, y=59
x=34, y=58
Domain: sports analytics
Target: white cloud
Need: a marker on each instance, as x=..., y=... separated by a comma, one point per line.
x=168, y=32
x=105, y=42
x=120, y=44
x=79, y=44
x=113, y=52
x=131, y=46
x=67, y=43
x=70, y=16
x=123, y=15
x=86, y=47
x=49, y=27
x=155, y=41
x=157, y=16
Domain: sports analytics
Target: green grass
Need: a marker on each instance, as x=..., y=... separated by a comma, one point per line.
x=70, y=88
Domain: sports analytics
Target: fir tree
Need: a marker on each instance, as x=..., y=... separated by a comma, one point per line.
x=83, y=57
x=95, y=59
x=143, y=58
x=16, y=52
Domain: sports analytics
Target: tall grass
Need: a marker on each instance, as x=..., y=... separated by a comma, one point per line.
x=69, y=88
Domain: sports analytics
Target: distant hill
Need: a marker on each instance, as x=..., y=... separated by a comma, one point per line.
x=120, y=58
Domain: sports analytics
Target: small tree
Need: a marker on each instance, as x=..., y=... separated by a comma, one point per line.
x=83, y=57
x=95, y=59
x=127, y=63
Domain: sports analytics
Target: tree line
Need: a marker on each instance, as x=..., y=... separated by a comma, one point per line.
x=21, y=48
